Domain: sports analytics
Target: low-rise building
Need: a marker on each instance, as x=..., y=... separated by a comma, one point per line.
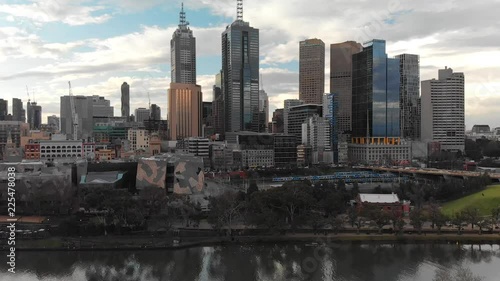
x=51, y=150
x=378, y=154
x=387, y=202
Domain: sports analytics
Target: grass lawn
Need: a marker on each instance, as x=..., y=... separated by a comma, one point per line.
x=485, y=204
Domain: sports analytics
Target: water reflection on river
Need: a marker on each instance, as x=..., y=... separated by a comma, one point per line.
x=259, y=262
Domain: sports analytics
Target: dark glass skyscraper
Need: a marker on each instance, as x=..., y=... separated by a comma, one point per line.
x=375, y=95
x=18, y=113
x=125, y=100
x=183, y=53
x=4, y=109
x=409, y=96
x=240, y=76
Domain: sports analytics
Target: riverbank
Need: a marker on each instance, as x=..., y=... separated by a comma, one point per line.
x=167, y=243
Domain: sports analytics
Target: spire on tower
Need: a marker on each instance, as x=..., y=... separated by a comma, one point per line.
x=239, y=10
x=182, y=18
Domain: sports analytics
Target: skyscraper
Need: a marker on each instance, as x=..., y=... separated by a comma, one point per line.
x=85, y=113
x=142, y=114
x=155, y=112
x=409, y=71
x=341, y=80
x=240, y=74
x=375, y=96
x=101, y=107
x=218, y=106
x=330, y=112
x=34, y=115
x=183, y=53
x=312, y=71
x=18, y=113
x=264, y=107
x=443, y=107
x=278, y=122
x=185, y=111
x=125, y=100
x=4, y=109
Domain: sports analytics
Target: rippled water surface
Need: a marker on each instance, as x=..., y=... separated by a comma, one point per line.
x=259, y=262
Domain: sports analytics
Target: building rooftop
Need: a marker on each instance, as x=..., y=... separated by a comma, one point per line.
x=379, y=198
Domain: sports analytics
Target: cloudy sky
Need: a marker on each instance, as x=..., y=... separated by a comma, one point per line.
x=99, y=44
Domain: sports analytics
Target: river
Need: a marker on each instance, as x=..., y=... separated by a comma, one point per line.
x=342, y=262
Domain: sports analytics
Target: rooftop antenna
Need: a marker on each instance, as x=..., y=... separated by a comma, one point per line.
x=182, y=18
x=239, y=10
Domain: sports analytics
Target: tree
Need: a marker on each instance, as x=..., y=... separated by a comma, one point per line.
x=336, y=223
x=495, y=215
x=380, y=217
x=458, y=220
x=417, y=219
x=440, y=220
x=252, y=187
x=224, y=210
x=355, y=189
x=352, y=215
x=471, y=215
x=399, y=226
x=485, y=224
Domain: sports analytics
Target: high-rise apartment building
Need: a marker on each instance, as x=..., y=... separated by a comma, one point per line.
x=443, y=107
x=53, y=122
x=316, y=133
x=125, y=89
x=330, y=113
x=142, y=114
x=18, y=112
x=240, y=75
x=375, y=96
x=34, y=115
x=312, y=71
x=299, y=114
x=4, y=109
x=286, y=109
x=183, y=53
x=341, y=80
x=101, y=107
x=409, y=71
x=278, y=121
x=85, y=113
x=185, y=111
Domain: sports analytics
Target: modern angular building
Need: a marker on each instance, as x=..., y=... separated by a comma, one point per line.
x=218, y=106
x=330, y=112
x=375, y=96
x=264, y=107
x=183, y=53
x=311, y=71
x=299, y=114
x=125, y=89
x=18, y=112
x=443, y=110
x=240, y=75
x=142, y=114
x=34, y=115
x=185, y=111
x=278, y=121
x=409, y=99
x=286, y=109
x=341, y=80
x=155, y=112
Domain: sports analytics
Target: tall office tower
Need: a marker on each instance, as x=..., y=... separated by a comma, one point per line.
x=34, y=115
x=218, y=106
x=409, y=72
x=18, y=112
x=142, y=114
x=312, y=71
x=330, y=112
x=286, y=109
x=185, y=111
x=207, y=113
x=240, y=74
x=316, y=133
x=443, y=118
x=341, y=80
x=125, y=100
x=53, y=122
x=183, y=53
x=277, y=127
x=4, y=109
x=264, y=107
x=101, y=107
x=85, y=113
x=155, y=112
x=375, y=96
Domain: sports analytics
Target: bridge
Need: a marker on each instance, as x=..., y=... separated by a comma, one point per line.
x=348, y=177
x=431, y=172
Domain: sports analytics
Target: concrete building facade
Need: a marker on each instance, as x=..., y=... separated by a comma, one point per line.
x=185, y=111
x=299, y=114
x=311, y=71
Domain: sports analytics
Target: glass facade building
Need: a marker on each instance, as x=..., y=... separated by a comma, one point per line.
x=331, y=112
x=240, y=76
x=375, y=96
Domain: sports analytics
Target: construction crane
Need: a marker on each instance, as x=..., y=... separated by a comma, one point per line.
x=28, y=93
x=74, y=115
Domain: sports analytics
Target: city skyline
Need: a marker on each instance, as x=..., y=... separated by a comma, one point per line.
x=96, y=46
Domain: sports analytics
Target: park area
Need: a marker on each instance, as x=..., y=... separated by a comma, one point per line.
x=485, y=201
